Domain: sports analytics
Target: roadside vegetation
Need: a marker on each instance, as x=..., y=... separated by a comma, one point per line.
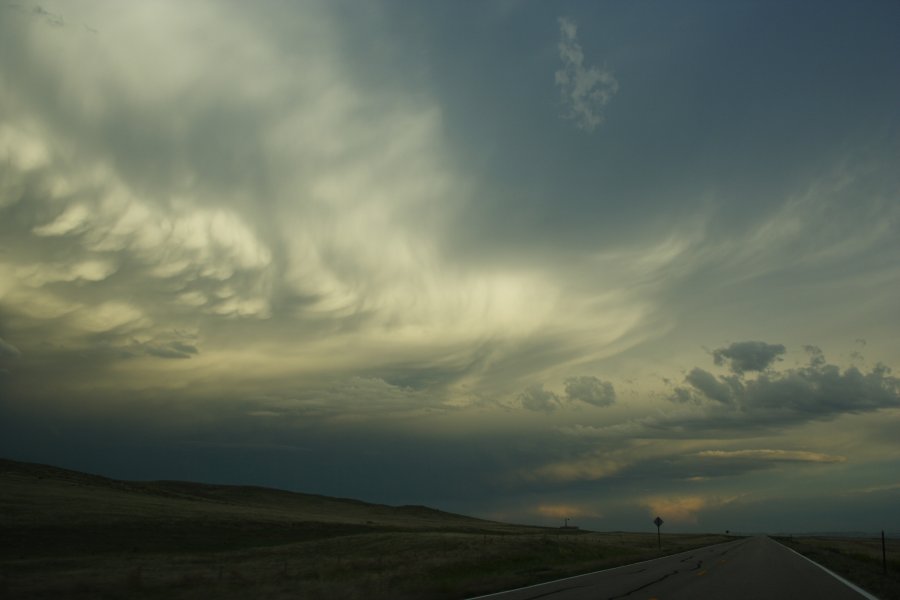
x=858, y=560
x=72, y=535
x=373, y=565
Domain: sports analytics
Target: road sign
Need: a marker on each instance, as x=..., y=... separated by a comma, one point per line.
x=657, y=521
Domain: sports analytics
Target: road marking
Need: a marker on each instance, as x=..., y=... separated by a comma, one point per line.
x=852, y=586
x=527, y=587
x=701, y=573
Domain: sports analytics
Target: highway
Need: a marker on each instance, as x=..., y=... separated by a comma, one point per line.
x=750, y=568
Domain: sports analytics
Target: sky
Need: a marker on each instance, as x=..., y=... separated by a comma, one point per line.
x=525, y=261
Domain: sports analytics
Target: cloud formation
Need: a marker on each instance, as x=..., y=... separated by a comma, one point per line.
x=585, y=90
x=817, y=391
x=566, y=511
x=8, y=351
x=709, y=464
x=224, y=197
x=581, y=388
x=535, y=397
x=590, y=390
x=590, y=467
x=684, y=509
x=748, y=356
x=330, y=229
x=769, y=455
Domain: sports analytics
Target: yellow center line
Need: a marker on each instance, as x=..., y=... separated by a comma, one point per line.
x=701, y=573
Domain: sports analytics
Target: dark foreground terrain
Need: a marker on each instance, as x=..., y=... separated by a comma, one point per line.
x=74, y=535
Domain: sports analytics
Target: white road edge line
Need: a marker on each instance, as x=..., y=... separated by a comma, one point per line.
x=528, y=587
x=849, y=584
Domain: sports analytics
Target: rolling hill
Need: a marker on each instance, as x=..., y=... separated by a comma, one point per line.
x=50, y=510
x=74, y=535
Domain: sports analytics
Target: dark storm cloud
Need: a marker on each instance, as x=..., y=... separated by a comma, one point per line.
x=590, y=390
x=370, y=231
x=748, y=356
x=719, y=389
x=171, y=350
x=535, y=397
x=817, y=391
x=583, y=388
x=816, y=356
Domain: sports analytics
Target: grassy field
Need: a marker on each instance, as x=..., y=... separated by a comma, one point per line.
x=856, y=559
x=73, y=535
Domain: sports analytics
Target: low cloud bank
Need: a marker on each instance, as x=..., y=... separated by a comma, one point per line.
x=817, y=391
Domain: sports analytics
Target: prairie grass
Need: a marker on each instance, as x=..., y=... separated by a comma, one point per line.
x=416, y=564
x=73, y=535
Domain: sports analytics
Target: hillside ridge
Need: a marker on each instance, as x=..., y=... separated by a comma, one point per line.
x=54, y=507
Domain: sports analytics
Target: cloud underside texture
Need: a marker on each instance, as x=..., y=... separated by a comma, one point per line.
x=718, y=422
x=221, y=201
x=817, y=391
x=228, y=204
x=248, y=225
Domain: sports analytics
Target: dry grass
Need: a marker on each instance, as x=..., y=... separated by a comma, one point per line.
x=76, y=536
x=422, y=564
x=856, y=559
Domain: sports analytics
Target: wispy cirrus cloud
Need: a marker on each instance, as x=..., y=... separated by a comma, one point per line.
x=585, y=90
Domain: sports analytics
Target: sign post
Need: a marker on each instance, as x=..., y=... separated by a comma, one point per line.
x=657, y=521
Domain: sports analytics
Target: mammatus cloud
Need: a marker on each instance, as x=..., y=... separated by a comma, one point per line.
x=584, y=90
x=283, y=219
x=748, y=356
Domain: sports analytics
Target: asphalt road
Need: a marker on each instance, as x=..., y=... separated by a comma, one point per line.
x=751, y=568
